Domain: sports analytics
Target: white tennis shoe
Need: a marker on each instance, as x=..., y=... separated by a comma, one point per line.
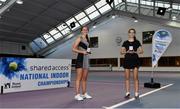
x=78, y=97
x=86, y=96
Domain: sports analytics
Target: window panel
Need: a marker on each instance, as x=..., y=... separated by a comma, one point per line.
x=76, y=26
x=149, y=3
x=116, y=2
x=105, y=9
x=136, y=1
x=57, y=36
x=65, y=31
x=70, y=21
x=80, y=16
x=128, y=0
x=100, y=3
x=90, y=9
x=143, y=2
x=84, y=21
x=175, y=6
x=160, y=5
x=62, y=26
x=50, y=40
x=54, y=31
x=94, y=15
x=40, y=42
x=34, y=47
x=73, y=20
x=132, y=1
x=3, y=0
x=166, y=5
x=46, y=36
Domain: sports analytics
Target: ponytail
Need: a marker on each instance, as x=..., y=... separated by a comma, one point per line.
x=87, y=38
x=135, y=38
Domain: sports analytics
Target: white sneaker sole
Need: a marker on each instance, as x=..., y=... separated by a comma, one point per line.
x=87, y=98
x=78, y=99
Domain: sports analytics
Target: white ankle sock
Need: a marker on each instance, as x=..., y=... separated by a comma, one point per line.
x=127, y=93
x=136, y=93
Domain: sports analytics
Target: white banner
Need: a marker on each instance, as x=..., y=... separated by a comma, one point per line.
x=161, y=40
x=25, y=74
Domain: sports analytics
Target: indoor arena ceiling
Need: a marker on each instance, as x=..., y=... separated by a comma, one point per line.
x=23, y=23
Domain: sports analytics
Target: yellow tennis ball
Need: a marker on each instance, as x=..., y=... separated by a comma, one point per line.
x=13, y=66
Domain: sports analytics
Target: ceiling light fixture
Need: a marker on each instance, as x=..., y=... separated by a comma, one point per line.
x=135, y=19
x=113, y=17
x=174, y=18
x=3, y=0
x=19, y=2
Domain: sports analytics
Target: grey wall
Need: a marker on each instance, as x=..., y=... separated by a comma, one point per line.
x=107, y=33
x=14, y=48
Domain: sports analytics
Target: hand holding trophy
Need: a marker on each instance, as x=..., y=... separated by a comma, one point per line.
x=88, y=50
x=131, y=50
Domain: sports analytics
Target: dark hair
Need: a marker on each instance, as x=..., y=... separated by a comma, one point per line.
x=134, y=32
x=87, y=37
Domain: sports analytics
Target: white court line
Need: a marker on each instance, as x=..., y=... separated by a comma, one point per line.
x=132, y=99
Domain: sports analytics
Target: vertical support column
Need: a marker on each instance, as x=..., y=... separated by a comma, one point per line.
x=2, y=90
x=119, y=62
x=125, y=1
x=7, y=6
x=139, y=7
x=154, y=8
x=170, y=12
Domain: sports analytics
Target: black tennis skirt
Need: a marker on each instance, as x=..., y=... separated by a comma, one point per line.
x=131, y=61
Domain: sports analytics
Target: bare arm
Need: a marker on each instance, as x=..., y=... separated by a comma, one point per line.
x=123, y=50
x=75, y=47
x=140, y=50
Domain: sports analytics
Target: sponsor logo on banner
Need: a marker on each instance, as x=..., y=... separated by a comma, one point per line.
x=161, y=40
x=24, y=74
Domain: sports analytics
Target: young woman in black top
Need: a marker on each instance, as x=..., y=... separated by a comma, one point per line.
x=131, y=48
